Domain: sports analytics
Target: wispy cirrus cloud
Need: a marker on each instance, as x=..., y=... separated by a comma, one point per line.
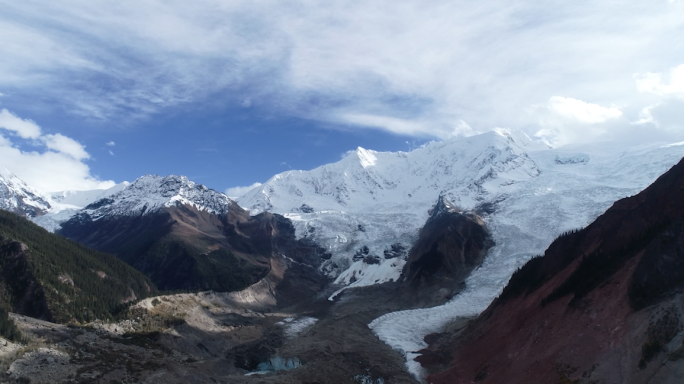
x=406, y=67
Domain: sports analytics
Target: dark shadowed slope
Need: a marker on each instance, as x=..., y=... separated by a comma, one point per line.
x=49, y=277
x=450, y=245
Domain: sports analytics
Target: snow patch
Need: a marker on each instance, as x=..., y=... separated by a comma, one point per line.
x=293, y=327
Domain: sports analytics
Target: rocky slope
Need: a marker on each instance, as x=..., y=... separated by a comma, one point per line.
x=186, y=236
x=16, y=196
x=450, y=245
x=603, y=305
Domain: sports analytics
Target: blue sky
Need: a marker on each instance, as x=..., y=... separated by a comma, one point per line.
x=231, y=93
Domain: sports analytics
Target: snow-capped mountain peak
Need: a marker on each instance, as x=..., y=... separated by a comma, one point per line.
x=366, y=157
x=150, y=193
x=528, y=192
x=469, y=170
x=18, y=197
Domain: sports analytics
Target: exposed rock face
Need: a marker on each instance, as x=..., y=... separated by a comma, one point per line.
x=450, y=245
x=17, y=197
x=186, y=236
x=604, y=304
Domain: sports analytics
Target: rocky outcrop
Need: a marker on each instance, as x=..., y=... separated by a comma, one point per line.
x=450, y=245
x=604, y=304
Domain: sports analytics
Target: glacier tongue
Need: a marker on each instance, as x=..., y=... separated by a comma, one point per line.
x=533, y=194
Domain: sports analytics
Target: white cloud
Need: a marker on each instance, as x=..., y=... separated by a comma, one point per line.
x=564, y=120
x=26, y=129
x=657, y=84
x=111, y=144
x=65, y=145
x=646, y=116
x=667, y=115
x=463, y=129
x=409, y=67
x=55, y=164
x=111, y=153
x=582, y=111
x=392, y=124
x=236, y=192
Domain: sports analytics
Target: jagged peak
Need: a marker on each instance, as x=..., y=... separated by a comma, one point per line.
x=367, y=158
x=443, y=206
x=150, y=193
x=364, y=157
x=5, y=173
x=18, y=197
x=10, y=178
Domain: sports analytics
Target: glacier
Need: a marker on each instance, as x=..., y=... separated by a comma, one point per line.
x=532, y=192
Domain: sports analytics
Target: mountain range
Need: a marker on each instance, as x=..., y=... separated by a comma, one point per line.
x=432, y=235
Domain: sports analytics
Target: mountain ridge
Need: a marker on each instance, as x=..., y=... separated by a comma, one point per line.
x=18, y=197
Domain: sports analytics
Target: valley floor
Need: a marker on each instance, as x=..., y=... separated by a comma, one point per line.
x=204, y=338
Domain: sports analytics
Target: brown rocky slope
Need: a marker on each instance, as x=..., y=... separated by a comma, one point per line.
x=183, y=248
x=603, y=305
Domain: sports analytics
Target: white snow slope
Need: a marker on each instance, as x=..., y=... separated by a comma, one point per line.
x=48, y=210
x=65, y=204
x=17, y=196
x=378, y=198
x=147, y=194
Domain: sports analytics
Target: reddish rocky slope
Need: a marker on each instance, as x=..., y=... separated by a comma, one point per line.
x=603, y=305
